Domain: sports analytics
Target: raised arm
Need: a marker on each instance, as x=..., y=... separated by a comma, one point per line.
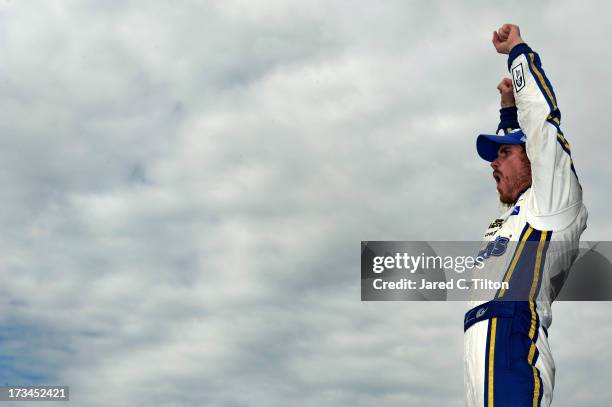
x=507, y=114
x=557, y=195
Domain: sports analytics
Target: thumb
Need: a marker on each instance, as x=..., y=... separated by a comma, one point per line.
x=496, y=39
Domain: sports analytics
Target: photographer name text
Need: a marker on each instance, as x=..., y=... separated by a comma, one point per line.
x=460, y=284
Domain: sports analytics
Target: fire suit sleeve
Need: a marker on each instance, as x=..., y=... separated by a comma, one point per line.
x=507, y=120
x=556, y=194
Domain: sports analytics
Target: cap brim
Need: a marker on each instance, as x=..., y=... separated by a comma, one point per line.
x=487, y=145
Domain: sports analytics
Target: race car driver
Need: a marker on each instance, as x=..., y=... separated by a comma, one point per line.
x=531, y=244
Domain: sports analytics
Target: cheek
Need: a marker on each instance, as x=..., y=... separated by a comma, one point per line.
x=527, y=166
x=516, y=166
x=523, y=168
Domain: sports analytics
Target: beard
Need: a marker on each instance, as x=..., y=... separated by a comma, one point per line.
x=516, y=186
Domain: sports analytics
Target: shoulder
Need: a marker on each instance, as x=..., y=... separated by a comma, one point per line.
x=562, y=219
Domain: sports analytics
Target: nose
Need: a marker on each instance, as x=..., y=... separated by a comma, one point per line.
x=495, y=164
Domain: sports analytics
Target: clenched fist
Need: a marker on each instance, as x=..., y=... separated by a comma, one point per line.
x=506, y=38
x=505, y=90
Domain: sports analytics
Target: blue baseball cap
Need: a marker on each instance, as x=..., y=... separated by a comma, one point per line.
x=487, y=145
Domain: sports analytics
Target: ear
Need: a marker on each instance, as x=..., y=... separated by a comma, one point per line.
x=524, y=154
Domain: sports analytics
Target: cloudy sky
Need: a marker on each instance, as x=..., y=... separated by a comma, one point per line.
x=185, y=186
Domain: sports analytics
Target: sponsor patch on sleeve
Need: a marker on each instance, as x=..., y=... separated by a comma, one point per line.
x=518, y=78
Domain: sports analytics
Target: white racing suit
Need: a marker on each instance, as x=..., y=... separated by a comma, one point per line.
x=507, y=357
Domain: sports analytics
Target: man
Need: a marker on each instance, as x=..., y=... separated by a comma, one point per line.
x=507, y=356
